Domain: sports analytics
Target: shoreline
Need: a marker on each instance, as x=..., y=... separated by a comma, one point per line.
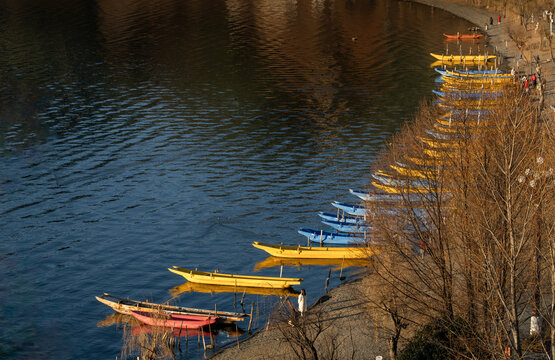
x=343, y=307
x=498, y=37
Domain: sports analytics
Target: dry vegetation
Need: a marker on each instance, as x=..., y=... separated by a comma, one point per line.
x=471, y=248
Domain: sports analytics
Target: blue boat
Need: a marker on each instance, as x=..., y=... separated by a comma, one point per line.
x=347, y=227
x=321, y=236
x=374, y=196
x=355, y=210
x=343, y=218
x=470, y=72
x=470, y=95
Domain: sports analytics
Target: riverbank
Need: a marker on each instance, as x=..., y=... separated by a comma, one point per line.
x=501, y=37
x=346, y=330
x=357, y=335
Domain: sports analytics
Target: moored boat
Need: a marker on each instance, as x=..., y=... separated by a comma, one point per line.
x=463, y=58
x=125, y=306
x=216, y=278
x=344, y=218
x=463, y=36
x=176, y=321
x=314, y=252
x=355, y=210
x=325, y=237
x=347, y=227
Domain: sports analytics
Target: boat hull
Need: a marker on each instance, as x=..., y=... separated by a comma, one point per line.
x=313, y=252
x=234, y=280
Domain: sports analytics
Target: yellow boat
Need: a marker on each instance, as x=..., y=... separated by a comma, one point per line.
x=399, y=190
x=463, y=58
x=416, y=173
x=440, y=144
x=314, y=252
x=216, y=278
x=214, y=289
x=487, y=82
x=273, y=261
x=440, y=63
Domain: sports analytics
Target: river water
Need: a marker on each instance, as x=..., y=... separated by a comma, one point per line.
x=140, y=134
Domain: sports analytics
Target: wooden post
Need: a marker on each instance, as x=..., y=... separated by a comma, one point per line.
x=243, y=298
x=341, y=272
x=250, y=320
x=328, y=281
x=237, y=332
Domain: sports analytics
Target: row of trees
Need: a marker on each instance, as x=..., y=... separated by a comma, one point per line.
x=469, y=248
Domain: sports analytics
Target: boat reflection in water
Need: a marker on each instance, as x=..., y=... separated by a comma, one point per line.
x=211, y=289
x=274, y=261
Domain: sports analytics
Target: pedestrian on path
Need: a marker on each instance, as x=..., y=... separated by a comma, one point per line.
x=490, y=20
x=499, y=19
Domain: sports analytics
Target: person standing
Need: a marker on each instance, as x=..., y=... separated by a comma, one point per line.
x=302, y=302
x=490, y=20
x=499, y=19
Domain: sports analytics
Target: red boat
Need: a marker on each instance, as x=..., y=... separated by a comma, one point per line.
x=464, y=36
x=176, y=321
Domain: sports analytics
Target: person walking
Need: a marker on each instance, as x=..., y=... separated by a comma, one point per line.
x=499, y=19
x=490, y=20
x=302, y=302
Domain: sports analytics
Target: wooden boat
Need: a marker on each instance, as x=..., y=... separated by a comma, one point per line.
x=347, y=227
x=463, y=58
x=313, y=252
x=462, y=83
x=374, y=197
x=470, y=71
x=355, y=210
x=418, y=171
x=273, y=261
x=214, y=289
x=453, y=64
x=234, y=280
x=321, y=236
x=125, y=306
x=463, y=36
x=467, y=75
x=461, y=95
x=344, y=218
x=176, y=321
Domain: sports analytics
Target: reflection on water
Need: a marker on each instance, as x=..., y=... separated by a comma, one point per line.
x=213, y=289
x=338, y=264
x=143, y=133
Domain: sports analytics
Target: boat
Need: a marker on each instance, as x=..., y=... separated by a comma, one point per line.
x=463, y=58
x=274, y=261
x=344, y=218
x=375, y=197
x=347, y=227
x=463, y=36
x=418, y=171
x=321, y=236
x=217, y=278
x=125, y=306
x=313, y=252
x=355, y=210
x=461, y=95
x=176, y=321
x=215, y=289
x=467, y=75
x=470, y=71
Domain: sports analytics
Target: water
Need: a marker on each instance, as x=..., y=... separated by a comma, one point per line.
x=136, y=135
